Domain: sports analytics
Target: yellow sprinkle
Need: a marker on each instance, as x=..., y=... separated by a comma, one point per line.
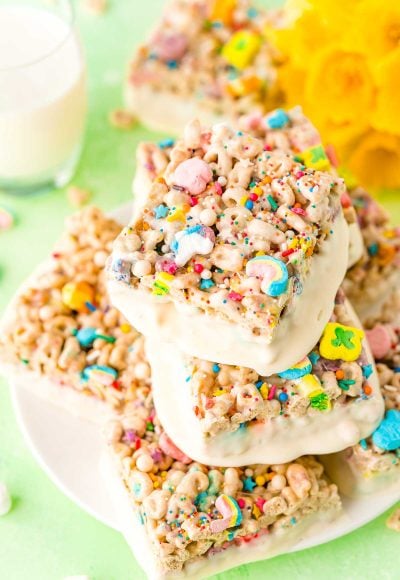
x=219, y=392
x=242, y=87
x=260, y=480
x=125, y=328
x=257, y=190
x=390, y=234
x=164, y=474
x=264, y=390
x=222, y=11
x=243, y=199
x=242, y=47
x=179, y=214
x=256, y=511
x=260, y=253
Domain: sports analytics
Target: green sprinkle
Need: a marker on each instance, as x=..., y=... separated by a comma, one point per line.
x=272, y=202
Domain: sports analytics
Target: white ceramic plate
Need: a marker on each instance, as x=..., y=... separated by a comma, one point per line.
x=69, y=450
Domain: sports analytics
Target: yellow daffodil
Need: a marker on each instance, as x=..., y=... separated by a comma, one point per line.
x=377, y=27
x=340, y=86
x=387, y=114
x=376, y=160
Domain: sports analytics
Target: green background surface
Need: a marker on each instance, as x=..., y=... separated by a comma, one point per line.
x=46, y=536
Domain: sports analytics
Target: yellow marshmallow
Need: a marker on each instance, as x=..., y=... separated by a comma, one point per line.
x=240, y=50
x=341, y=342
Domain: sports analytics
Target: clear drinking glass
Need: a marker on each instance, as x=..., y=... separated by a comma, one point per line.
x=42, y=94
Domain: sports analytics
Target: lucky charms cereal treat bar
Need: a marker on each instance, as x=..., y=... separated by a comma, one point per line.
x=290, y=131
x=375, y=461
x=206, y=58
x=185, y=519
x=61, y=338
x=374, y=277
x=231, y=416
x=237, y=254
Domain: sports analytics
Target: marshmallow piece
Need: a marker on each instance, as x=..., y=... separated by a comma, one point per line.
x=379, y=341
x=193, y=174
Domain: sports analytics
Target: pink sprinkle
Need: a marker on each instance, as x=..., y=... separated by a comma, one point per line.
x=169, y=266
x=260, y=501
x=253, y=196
x=198, y=268
x=345, y=200
x=299, y=174
x=332, y=155
x=267, y=147
x=241, y=503
x=235, y=296
x=218, y=188
x=272, y=392
x=298, y=210
x=193, y=201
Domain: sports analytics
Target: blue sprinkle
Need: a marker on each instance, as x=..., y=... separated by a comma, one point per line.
x=252, y=12
x=91, y=306
x=200, y=499
x=172, y=64
x=293, y=521
x=216, y=368
x=259, y=384
x=242, y=426
x=249, y=484
x=283, y=397
x=206, y=284
x=367, y=371
x=249, y=204
x=396, y=369
x=364, y=444
x=188, y=378
x=166, y=143
x=373, y=249
x=86, y=336
x=160, y=211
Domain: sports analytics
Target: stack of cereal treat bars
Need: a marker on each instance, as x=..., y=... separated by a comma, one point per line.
x=232, y=270
x=218, y=337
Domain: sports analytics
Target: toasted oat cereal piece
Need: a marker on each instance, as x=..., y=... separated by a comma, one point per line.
x=201, y=61
x=188, y=519
x=230, y=415
x=236, y=255
x=121, y=119
x=375, y=461
x=370, y=282
x=393, y=521
x=95, y=7
x=77, y=196
x=286, y=130
x=61, y=338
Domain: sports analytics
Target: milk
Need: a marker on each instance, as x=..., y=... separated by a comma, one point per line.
x=42, y=96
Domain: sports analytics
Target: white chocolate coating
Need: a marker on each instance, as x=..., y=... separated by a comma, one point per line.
x=267, y=546
x=278, y=440
x=188, y=329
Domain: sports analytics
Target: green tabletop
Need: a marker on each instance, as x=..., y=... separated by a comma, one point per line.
x=46, y=536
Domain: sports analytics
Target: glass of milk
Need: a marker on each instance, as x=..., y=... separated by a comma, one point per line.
x=42, y=94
